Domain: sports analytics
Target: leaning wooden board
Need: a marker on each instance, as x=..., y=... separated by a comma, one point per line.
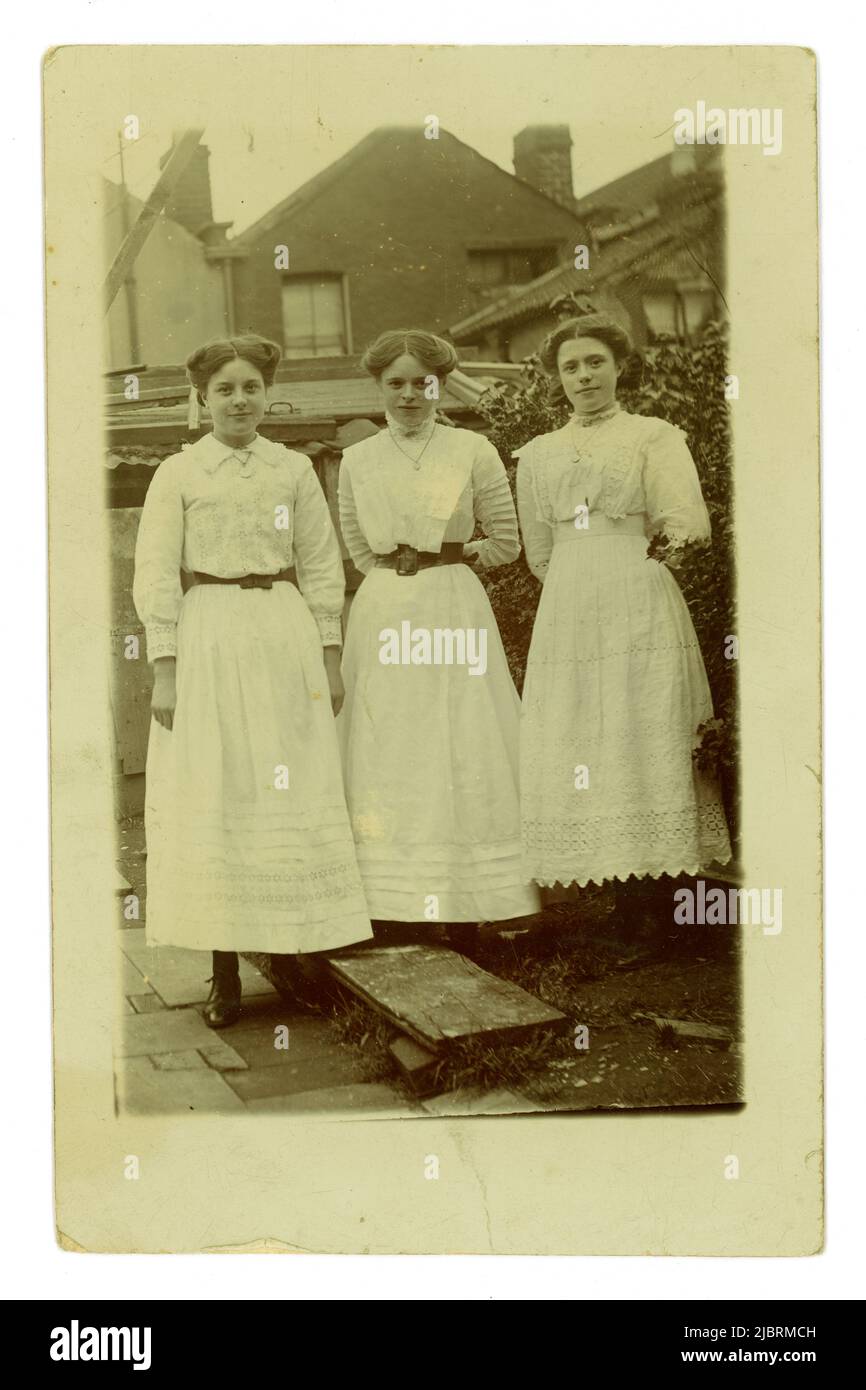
x=440, y=997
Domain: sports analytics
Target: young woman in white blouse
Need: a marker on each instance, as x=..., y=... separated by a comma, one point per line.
x=429, y=728
x=248, y=837
x=615, y=685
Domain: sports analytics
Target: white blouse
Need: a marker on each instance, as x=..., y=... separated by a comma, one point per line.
x=425, y=496
x=628, y=465
x=232, y=512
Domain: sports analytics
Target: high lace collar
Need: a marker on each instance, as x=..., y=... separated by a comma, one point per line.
x=585, y=422
x=420, y=433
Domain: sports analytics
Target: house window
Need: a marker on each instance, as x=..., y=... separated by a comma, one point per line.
x=493, y=269
x=679, y=313
x=316, y=316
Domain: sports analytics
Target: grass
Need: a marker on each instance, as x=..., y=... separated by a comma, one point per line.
x=575, y=957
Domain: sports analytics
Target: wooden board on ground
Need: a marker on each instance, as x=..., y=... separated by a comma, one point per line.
x=418, y=1065
x=439, y=997
x=691, y=1028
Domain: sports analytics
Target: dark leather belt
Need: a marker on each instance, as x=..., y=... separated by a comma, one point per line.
x=407, y=560
x=246, y=581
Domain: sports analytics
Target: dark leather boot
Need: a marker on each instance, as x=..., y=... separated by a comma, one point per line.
x=302, y=980
x=223, y=1006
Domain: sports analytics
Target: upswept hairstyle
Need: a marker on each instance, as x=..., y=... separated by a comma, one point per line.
x=437, y=357
x=608, y=331
x=206, y=360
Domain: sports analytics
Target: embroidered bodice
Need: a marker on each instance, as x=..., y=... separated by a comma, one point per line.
x=230, y=512
x=624, y=465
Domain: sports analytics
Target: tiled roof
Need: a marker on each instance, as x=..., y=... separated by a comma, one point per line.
x=641, y=186
x=655, y=248
x=304, y=195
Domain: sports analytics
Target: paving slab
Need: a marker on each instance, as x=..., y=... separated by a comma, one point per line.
x=265, y=1011
x=368, y=1100
x=171, y=1030
x=131, y=979
x=307, y=1037
x=175, y=1092
x=341, y=1066
x=134, y=1064
x=468, y=1101
x=188, y=1060
x=222, y=1057
x=147, y=1004
x=181, y=977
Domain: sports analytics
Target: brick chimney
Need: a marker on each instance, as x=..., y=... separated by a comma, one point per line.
x=190, y=203
x=542, y=158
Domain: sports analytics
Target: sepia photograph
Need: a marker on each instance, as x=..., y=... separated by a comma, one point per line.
x=435, y=761
x=423, y=616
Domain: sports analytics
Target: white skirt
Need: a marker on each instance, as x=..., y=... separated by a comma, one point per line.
x=615, y=691
x=430, y=753
x=248, y=838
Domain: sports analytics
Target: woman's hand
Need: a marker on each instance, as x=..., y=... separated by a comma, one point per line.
x=331, y=656
x=470, y=553
x=164, y=698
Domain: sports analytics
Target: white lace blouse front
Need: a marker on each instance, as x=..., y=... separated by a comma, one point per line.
x=627, y=465
x=231, y=512
x=426, y=493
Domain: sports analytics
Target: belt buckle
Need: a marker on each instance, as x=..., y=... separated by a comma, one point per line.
x=407, y=559
x=257, y=581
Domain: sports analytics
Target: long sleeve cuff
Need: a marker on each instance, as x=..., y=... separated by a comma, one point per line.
x=494, y=508
x=161, y=640
x=330, y=629
x=501, y=551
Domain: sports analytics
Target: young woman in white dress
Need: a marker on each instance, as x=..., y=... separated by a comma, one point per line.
x=615, y=684
x=248, y=837
x=429, y=728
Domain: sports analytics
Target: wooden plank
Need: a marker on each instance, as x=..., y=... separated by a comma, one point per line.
x=141, y=227
x=418, y=1065
x=439, y=997
x=290, y=428
x=154, y=393
x=690, y=1028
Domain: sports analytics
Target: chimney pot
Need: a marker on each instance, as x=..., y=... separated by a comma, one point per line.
x=190, y=204
x=542, y=158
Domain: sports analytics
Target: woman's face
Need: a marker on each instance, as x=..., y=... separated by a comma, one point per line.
x=403, y=384
x=236, y=397
x=588, y=372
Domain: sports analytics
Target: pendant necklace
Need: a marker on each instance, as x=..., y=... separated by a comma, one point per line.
x=577, y=429
x=415, y=462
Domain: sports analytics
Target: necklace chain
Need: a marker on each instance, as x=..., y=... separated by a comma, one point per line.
x=582, y=445
x=416, y=462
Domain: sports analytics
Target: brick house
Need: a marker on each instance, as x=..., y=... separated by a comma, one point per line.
x=656, y=261
x=403, y=231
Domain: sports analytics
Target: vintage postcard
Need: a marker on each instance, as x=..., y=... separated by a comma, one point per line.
x=435, y=649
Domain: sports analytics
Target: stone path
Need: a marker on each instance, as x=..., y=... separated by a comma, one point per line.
x=169, y=1062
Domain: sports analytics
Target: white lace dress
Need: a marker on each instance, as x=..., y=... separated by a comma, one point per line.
x=615, y=686
x=430, y=750
x=248, y=837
